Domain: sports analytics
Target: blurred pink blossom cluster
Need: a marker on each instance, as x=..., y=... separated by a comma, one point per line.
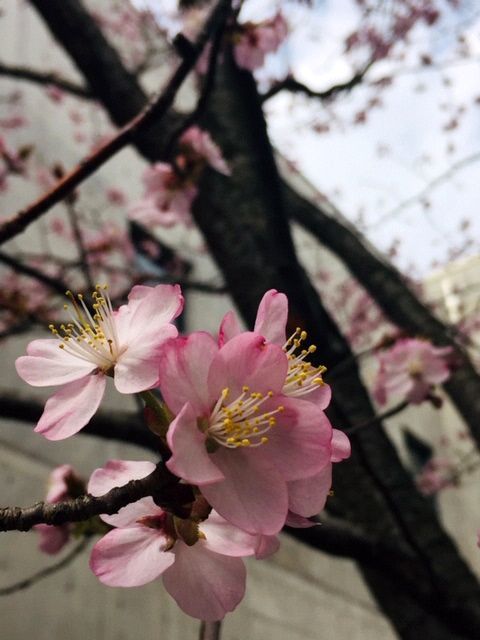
x=253, y=41
x=437, y=474
x=171, y=189
x=63, y=484
x=245, y=428
x=410, y=370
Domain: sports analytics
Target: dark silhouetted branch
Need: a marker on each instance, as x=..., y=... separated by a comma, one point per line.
x=44, y=79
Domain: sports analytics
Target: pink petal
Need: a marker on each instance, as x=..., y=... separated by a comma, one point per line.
x=71, y=408
x=130, y=557
x=206, y=585
x=307, y=497
x=341, y=447
x=137, y=367
x=272, y=317
x=229, y=328
x=57, y=483
x=252, y=496
x=52, y=539
x=321, y=396
x=247, y=360
x=222, y=537
x=117, y=473
x=47, y=365
x=300, y=443
x=184, y=368
x=299, y=522
x=266, y=546
x=190, y=459
x=151, y=310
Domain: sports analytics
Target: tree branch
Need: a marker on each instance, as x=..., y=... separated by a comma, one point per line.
x=55, y=284
x=163, y=486
x=154, y=111
x=48, y=571
x=44, y=79
x=294, y=86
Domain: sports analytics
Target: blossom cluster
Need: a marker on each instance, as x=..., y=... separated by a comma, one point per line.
x=246, y=430
x=410, y=370
x=170, y=189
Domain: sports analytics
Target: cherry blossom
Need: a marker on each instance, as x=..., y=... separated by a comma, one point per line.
x=255, y=40
x=63, y=484
x=204, y=574
x=303, y=378
x=436, y=474
x=123, y=344
x=235, y=434
x=167, y=200
x=201, y=143
x=409, y=370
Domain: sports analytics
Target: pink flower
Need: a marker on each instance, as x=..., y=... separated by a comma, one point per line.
x=303, y=379
x=202, y=144
x=63, y=484
x=257, y=40
x=436, y=474
x=235, y=434
x=167, y=200
x=409, y=370
x=307, y=497
x=206, y=578
x=123, y=344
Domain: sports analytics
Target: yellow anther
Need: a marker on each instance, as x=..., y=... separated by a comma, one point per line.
x=312, y=348
x=61, y=346
x=264, y=440
x=270, y=394
x=281, y=408
x=245, y=389
x=246, y=442
x=318, y=381
x=231, y=440
x=225, y=392
x=303, y=335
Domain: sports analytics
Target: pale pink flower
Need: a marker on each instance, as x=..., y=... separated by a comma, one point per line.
x=255, y=41
x=436, y=474
x=202, y=144
x=409, y=370
x=307, y=497
x=167, y=200
x=62, y=484
x=207, y=579
x=235, y=434
x=303, y=379
x=123, y=344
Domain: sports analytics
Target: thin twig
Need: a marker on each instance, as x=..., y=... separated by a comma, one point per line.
x=48, y=571
x=44, y=79
x=378, y=418
x=82, y=251
x=294, y=86
x=56, y=284
x=207, y=88
x=162, y=485
x=154, y=111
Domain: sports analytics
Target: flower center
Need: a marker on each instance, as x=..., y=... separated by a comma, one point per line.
x=415, y=368
x=90, y=337
x=302, y=377
x=240, y=423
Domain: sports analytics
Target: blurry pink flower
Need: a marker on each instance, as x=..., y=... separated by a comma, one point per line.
x=123, y=344
x=202, y=144
x=167, y=200
x=303, y=379
x=235, y=435
x=55, y=93
x=409, y=370
x=437, y=474
x=116, y=196
x=207, y=579
x=62, y=484
x=257, y=40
